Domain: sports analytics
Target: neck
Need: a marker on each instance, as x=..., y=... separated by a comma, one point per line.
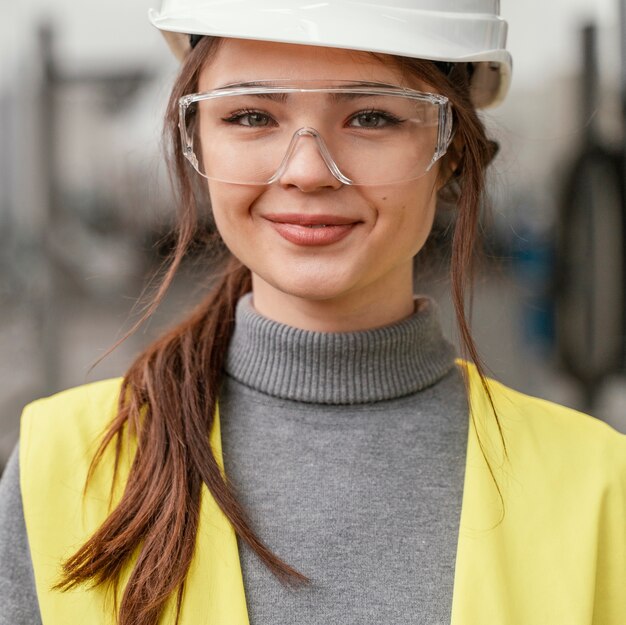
x=377, y=305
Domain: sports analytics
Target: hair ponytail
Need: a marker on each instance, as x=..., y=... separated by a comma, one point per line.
x=168, y=400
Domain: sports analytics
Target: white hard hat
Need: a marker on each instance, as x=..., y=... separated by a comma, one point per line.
x=439, y=30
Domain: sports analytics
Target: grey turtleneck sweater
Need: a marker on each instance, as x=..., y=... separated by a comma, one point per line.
x=348, y=452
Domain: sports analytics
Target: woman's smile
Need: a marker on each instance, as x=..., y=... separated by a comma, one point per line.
x=311, y=230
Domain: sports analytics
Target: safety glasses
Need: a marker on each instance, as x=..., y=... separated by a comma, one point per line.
x=366, y=133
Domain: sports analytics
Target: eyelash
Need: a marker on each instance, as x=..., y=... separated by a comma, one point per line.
x=238, y=115
x=389, y=118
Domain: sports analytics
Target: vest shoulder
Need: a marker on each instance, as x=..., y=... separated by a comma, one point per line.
x=95, y=402
x=541, y=427
x=60, y=434
x=542, y=413
x=92, y=391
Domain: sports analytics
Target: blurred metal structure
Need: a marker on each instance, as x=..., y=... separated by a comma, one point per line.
x=591, y=262
x=61, y=251
x=53, y=265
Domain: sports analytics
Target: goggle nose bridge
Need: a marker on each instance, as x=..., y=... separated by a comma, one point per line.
x=307, y=131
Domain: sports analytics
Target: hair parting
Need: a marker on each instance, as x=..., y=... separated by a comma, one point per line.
x=169, y=394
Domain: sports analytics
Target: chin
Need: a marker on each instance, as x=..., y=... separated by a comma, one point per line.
x=315, y=289
x=321, y=294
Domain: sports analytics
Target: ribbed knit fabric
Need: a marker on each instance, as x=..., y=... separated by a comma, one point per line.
x=341, y=367
x=348, y=452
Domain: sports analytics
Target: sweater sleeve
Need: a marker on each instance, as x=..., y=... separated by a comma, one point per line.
x=18, y=597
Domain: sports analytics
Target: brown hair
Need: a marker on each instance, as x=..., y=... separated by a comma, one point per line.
x=168, y=396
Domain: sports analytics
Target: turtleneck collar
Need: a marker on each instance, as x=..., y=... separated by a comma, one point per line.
x=338, y=367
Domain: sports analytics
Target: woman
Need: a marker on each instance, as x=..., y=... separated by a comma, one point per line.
x=300, y=448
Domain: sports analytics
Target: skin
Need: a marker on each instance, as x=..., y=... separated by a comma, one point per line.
x=363, y=281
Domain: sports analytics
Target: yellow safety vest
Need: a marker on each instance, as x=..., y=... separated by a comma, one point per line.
x=557, y=558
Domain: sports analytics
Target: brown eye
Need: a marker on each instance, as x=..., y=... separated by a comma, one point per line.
x=373, y=119
x=252, y=119
x=255, y=119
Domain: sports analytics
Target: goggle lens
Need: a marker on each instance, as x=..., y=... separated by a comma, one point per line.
x=366, y=136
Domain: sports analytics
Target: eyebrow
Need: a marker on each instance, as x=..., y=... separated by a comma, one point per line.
x=275, y=97
x=282, y=97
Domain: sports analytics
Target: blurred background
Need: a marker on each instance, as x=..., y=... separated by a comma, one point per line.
x=85, y=203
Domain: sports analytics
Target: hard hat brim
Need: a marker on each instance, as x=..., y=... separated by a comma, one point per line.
x=412, y=33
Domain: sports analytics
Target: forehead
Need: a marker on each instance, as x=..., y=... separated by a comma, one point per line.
x=240, y=60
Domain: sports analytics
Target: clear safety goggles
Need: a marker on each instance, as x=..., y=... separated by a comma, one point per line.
x=366, y=133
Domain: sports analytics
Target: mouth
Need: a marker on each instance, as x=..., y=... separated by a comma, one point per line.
x=311, y=230
x=311, y=221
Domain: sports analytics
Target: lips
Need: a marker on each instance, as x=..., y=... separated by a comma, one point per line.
x=300, y=219
x=308, y=230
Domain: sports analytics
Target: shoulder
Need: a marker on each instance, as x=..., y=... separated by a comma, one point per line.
x=551, y=436
x=59, y=436
x=96, y=397
x=80, y=396
x=570, y=427
x=71, y=419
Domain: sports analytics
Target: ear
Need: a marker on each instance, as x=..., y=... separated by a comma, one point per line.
x=450, y=162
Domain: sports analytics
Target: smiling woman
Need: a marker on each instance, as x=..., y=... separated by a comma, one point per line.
x=304, y=447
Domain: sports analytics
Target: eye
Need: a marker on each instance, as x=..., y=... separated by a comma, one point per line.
x=252, y=119
x=373, y=119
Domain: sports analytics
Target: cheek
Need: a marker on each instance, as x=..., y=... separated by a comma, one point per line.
x=406, y=214
x=231, y=210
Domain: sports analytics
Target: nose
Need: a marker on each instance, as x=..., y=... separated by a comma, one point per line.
x=307, y=164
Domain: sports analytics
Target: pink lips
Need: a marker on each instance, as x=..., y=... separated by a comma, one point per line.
x=296, y=227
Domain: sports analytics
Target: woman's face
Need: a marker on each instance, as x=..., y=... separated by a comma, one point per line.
x=386, y=225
